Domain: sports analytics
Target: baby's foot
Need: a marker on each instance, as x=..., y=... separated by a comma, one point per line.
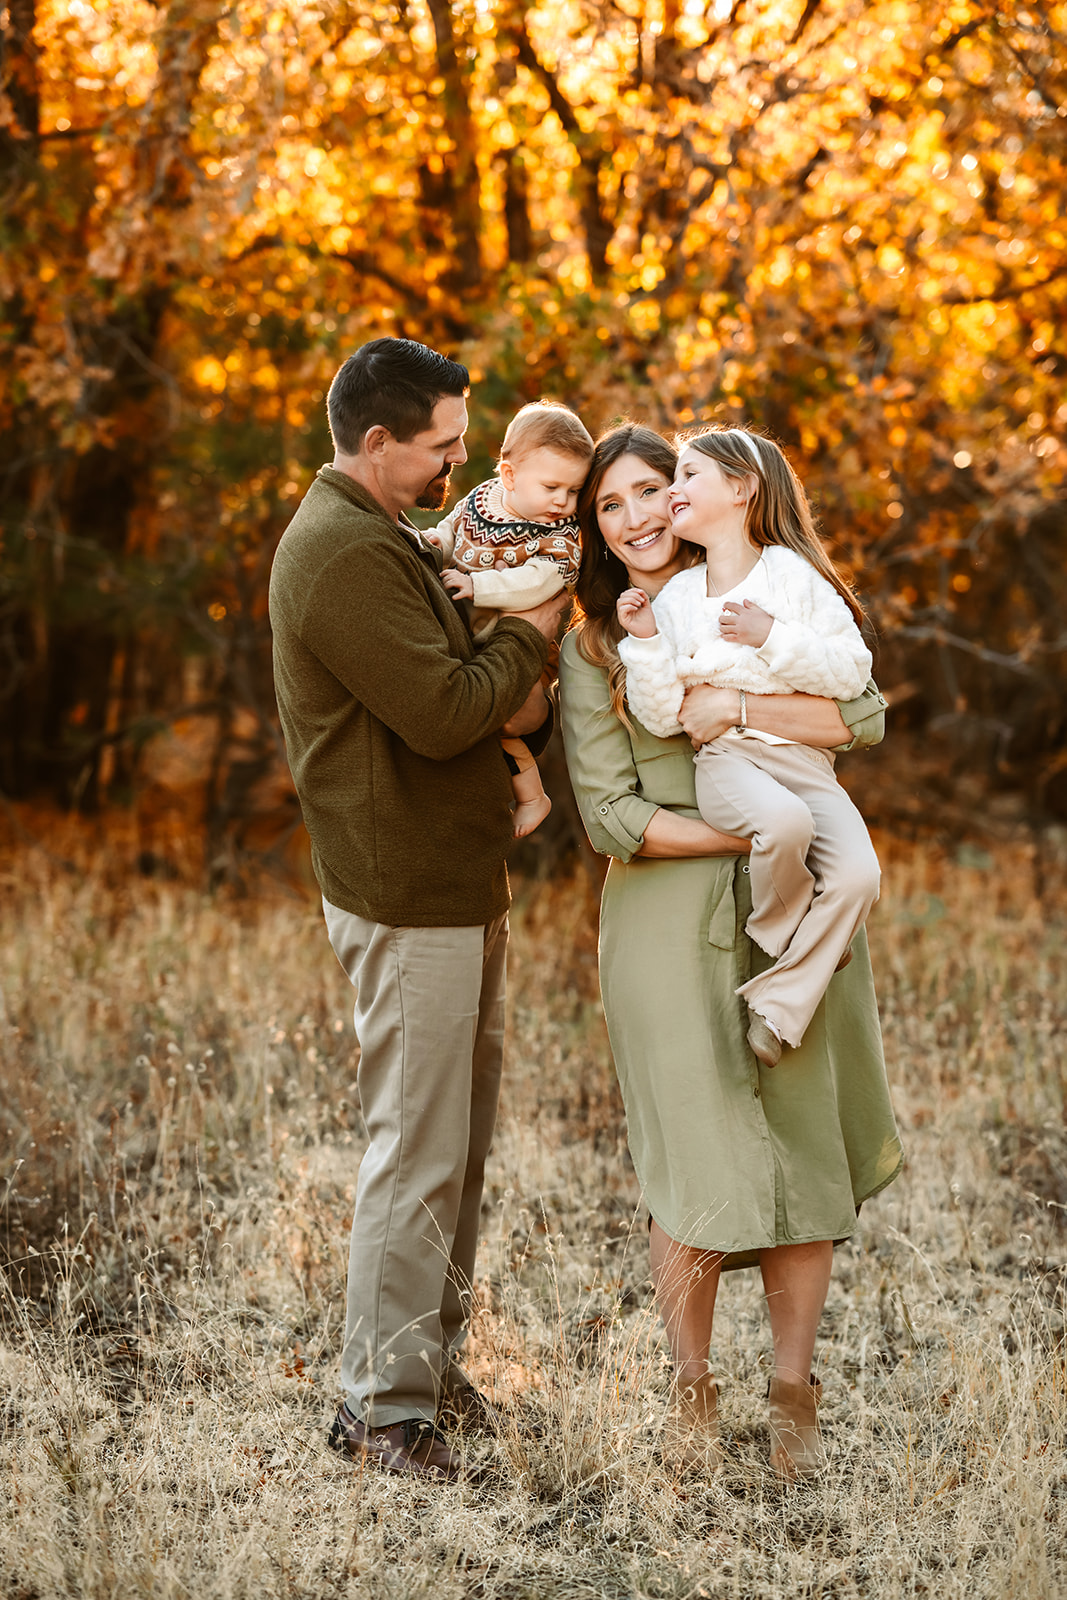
x=529, y=814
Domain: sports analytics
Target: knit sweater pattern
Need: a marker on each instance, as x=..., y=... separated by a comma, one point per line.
x=390, y=714
x=482, y=537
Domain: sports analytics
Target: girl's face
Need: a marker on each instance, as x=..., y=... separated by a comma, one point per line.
x=631, y=509
x=703, y=497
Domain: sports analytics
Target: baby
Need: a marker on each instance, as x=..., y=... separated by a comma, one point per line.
x=513, y=543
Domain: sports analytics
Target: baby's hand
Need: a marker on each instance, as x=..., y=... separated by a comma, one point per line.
x=459, y=584
x=746, y=623
x=635, y=613
x=434, y=539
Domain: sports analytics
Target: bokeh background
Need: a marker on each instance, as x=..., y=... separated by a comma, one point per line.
x=837, y=221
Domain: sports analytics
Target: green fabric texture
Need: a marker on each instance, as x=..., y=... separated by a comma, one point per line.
x=390, y=715
x=730, y=1156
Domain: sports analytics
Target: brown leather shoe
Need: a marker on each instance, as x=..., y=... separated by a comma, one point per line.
x=466, y=1407
x=414, y=1446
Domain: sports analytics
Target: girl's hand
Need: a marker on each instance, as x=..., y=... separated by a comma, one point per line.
x=746, y=623
x=459, y=584
x=635, y=613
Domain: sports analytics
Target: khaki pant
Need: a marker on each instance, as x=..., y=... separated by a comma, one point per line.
x=429, y=1016
x=814, y=872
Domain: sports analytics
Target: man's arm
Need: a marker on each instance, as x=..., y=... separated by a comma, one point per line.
x=370, y=621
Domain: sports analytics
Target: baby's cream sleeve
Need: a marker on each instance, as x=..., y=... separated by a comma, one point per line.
x=517, y=588
x=445, y=533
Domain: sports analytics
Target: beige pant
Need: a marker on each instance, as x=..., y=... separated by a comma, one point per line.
x=814, y=872
x=429, y=1016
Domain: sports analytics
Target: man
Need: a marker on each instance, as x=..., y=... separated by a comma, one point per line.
x=390, y=717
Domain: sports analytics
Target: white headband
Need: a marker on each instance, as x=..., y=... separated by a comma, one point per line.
x=750, y=441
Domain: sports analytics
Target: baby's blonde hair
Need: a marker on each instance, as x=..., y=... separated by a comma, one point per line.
x=546, y=425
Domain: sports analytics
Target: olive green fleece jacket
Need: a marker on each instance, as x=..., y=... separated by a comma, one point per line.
x=390, y=715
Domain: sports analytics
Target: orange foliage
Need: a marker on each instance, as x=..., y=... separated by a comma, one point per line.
x=839, y=221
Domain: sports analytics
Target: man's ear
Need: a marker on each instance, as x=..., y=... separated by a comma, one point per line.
x=375, y=441
x=506, y=473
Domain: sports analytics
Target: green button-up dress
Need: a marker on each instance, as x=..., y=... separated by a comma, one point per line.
x=730, y=1156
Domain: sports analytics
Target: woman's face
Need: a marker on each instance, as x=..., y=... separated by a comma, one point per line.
x=631, y=509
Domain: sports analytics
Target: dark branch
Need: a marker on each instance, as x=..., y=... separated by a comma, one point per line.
x=359, y=261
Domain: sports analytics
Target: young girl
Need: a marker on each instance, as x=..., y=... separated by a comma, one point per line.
x=765, y=613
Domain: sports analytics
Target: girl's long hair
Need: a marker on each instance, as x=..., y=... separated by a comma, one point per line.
x=601, y=575
x=778, y=512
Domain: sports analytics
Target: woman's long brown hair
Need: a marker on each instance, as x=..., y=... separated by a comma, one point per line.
x=601, y=575
x=778, y=512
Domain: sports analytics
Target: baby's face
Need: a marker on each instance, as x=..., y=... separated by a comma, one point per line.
x=543, y=485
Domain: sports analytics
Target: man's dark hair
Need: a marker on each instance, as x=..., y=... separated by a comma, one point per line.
x=390, y=383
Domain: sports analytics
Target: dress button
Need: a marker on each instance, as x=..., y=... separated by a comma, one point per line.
x=745, y=869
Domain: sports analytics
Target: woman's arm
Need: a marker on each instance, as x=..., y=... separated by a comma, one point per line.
x=603, y=771
x=808, y=719
x=669, y=836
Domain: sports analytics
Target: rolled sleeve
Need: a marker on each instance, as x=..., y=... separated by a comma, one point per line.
x=864, y=717
x=600, y=759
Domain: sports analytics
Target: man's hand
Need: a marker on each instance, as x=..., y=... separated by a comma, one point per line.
x=707, y=712
x=634, y=610
x=545, y=617
x=460, y=585
x=746, y=623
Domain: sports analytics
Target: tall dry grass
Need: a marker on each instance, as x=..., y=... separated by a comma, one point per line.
x=182, y=1136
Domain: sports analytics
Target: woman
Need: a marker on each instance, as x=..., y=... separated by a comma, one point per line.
x=739, y=1166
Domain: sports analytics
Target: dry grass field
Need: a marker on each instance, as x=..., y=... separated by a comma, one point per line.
x=181, y=1136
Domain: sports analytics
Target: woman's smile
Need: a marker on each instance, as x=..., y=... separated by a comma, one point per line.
x=634, y=522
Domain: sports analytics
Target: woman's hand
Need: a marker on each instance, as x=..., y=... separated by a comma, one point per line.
x=746, y=623
x=708, y=712
x=635, y=613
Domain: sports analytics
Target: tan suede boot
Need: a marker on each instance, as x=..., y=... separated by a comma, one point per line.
x=796, y=1448
x=690, y=1437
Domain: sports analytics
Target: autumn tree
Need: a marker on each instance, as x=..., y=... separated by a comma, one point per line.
x=836, y=220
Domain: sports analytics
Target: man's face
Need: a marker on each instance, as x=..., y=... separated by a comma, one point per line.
x=419, y=468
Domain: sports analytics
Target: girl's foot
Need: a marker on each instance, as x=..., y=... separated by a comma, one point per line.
x=763, y=1041
x=529, y=814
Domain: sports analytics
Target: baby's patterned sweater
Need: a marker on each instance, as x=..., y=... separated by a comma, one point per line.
x=538, y=558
